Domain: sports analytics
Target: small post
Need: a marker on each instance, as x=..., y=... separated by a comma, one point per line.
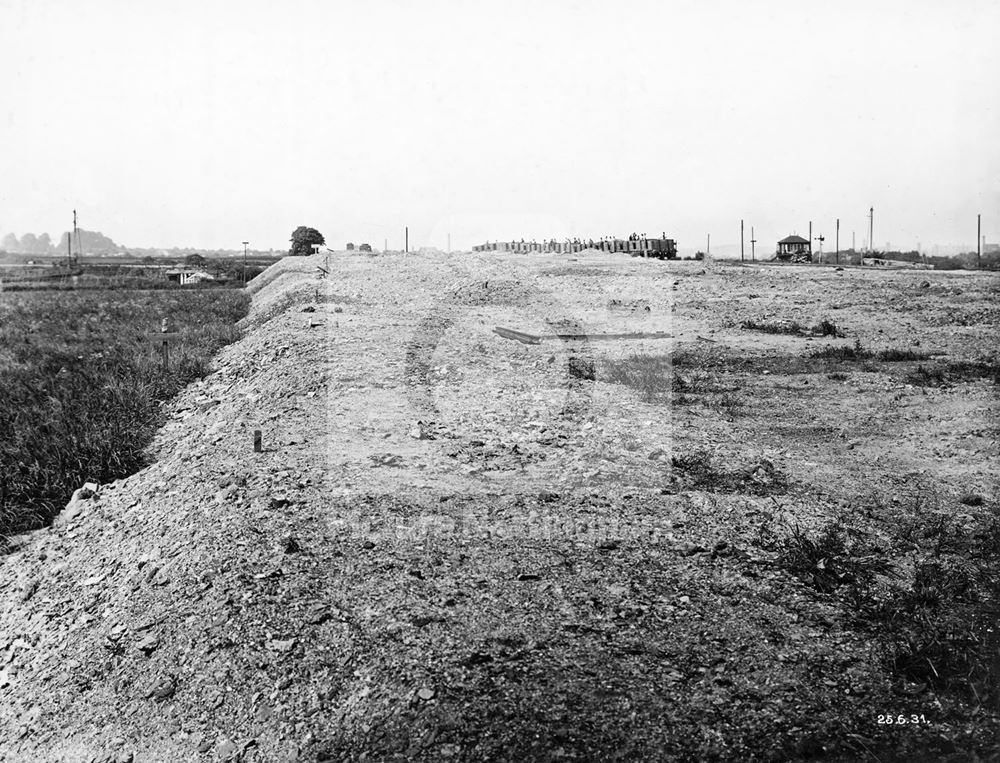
x=753, y=240
x=810, y=240
x=245, y=244
x=838, y=241
x=979, y=241
x=741, y=241
x=258, y=441
x=406, y=242
x=164, y=329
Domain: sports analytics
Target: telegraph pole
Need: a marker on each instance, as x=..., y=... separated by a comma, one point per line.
x=979, y=241
x=810, y=240
x=76, y=237
x=838, y=241
x=406, y=239
x=245, y=244
x=871, y=230
x=753, y=257
x=741, y=241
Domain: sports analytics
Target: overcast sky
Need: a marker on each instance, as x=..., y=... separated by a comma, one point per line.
x=209, y=123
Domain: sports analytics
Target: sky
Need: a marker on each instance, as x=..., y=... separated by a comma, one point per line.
x=210, y=123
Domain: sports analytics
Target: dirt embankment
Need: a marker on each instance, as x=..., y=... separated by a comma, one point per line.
x=458, y=546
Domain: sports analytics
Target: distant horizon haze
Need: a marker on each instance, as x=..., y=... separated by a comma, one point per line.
x=212, y=123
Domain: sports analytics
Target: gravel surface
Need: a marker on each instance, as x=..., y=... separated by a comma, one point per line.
x=457, y=546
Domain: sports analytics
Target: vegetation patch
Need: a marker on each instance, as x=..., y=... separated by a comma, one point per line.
x=649, y=375
x=830, y=558
x=843, y=352
x=697, y=470
x=794, y=328
x=929, y=600
x=658, y=379
x=83, y=386
x=955, y=372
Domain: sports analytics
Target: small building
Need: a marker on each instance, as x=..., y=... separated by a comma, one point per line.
x=794, y=249
x=184, y=277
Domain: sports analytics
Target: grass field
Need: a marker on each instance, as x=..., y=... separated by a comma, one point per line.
x=83, y=385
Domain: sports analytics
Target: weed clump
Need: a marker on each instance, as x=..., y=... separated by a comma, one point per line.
x=697, y=470
x=898, y=355
x=828, y=559
x=650, y=375
x=823, y=328
x=954, y=372
x=845, y=352
x=792, y=327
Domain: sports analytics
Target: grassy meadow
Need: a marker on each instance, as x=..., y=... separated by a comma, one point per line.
x=82, y=385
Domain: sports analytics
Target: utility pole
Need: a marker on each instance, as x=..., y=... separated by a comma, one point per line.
x=838, y=241
x=852, y=242
x=76, y=238
x=741, y=241
x=810, y=240
x=708, y=244
x=979, y=240
x=871, y=229
x=753, y=257
x=406, y=237
x=245, y=244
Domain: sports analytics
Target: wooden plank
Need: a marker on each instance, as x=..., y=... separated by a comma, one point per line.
x=517, y=336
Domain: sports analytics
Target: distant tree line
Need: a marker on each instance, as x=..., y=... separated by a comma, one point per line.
x=91, y=242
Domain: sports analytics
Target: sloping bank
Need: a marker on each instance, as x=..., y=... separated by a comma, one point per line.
x=117, y=626
x=83, y=386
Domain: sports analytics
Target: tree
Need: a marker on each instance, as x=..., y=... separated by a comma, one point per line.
x=10, y=243
x=29, y=243
x=303, y=239
x=194, y=261
x=45, y=244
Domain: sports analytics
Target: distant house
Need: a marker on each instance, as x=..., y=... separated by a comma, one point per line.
x=189, y=276
x=794, y=249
